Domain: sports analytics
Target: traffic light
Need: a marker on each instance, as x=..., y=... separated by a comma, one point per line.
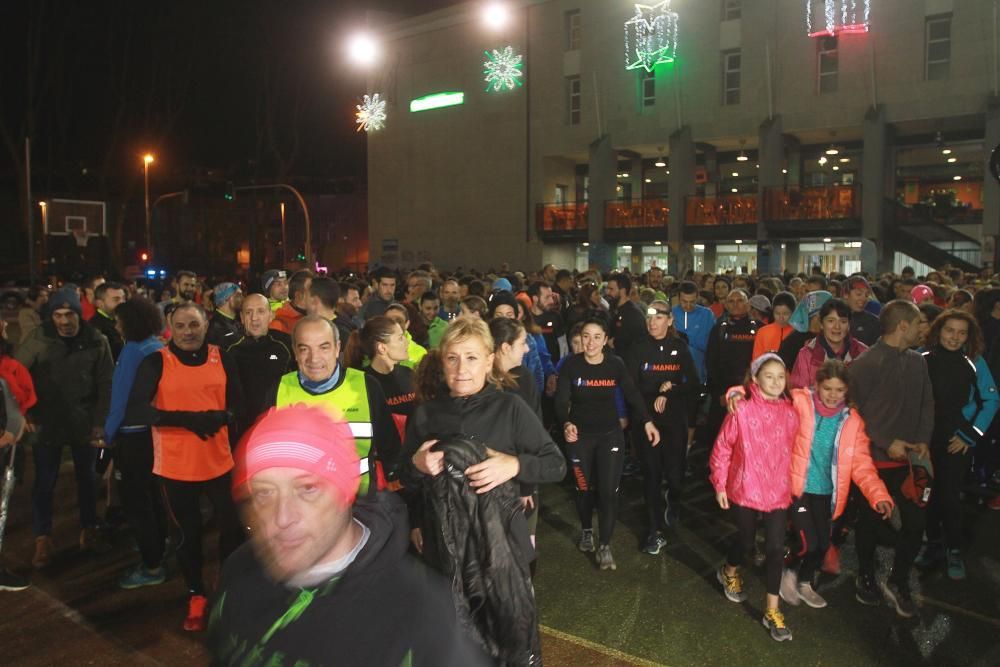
x=143, y=256
x=230, y=191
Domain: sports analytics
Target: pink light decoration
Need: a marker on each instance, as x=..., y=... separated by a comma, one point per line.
x=829, y=18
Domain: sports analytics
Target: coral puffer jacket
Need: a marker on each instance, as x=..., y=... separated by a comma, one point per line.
x=853, y=456
x=751, y=457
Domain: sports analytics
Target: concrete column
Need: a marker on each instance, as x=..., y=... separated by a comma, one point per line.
x=876, y=184
x=991, y=189
x=603, y=179
x=792, y=256
x=635, y=178
x=771, y=142
x=681, y=185
x=712, y=169
x=709, y=258
x=793, y=162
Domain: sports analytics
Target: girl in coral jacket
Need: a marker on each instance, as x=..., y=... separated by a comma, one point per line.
x=750, y=470
x=831, y=451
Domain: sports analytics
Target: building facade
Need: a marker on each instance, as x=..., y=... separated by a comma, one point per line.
x=704, y=134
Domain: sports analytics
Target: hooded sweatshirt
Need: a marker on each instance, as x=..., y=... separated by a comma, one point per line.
x=384, y=609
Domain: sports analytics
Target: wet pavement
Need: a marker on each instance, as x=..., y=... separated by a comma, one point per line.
x=666, y=609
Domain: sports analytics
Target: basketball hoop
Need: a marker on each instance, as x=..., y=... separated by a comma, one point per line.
x=81, y=237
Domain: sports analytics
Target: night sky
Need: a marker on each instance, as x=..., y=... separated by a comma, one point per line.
x=217, y=84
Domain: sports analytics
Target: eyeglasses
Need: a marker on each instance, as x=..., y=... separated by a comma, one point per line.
x=652, y=312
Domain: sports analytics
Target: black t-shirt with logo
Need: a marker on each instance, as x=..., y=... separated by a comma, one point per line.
x=585, y=394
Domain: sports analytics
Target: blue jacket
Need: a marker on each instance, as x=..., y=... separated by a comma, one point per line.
x=121, y=382
x=982, y=405
x=538, y=361
x=697, y=325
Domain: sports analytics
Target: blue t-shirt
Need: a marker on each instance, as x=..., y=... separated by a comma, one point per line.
x=819, y=477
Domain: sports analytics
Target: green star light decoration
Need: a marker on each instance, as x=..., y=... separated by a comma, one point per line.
x=651, y=36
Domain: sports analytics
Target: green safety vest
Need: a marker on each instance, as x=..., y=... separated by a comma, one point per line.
x=350, y=399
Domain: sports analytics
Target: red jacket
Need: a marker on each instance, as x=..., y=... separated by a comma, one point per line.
x=853, y=463
x=286, y=317
x=812, y=356
x=19, y=380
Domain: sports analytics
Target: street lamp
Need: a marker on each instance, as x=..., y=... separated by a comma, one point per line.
x=362, y=49
x=496, y=15
x=147, y=160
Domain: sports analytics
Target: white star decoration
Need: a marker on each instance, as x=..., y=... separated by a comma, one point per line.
x=371, y=113
x=651, y=36
x=502, y=70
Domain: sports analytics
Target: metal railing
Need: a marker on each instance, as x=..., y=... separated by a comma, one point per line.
x=637, y=214
x=570, y=217
x=825, y=202
x=721, y=210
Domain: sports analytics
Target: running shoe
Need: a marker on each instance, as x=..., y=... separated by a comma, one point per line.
x=994, y=502
x=140, y=576
x=789, y=590
x=899, y=599
x=586, y=543
x=956, y=565
x=809, y=595
x=654, y=543
x=732, y=586
x=774, y=621
x=12, y=582
x=604, y=558
x=865, y=591
x=195, y=621
x=831, y=561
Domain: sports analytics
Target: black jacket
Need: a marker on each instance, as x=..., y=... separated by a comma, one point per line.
x=106, y=325
x=730, y=350
x=654, y=362
x=628, y=327
x=223, y=330
x=469, y=533
x=865, y=327
x=261, y=363
x=385, y=609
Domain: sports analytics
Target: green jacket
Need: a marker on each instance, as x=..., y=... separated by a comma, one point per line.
x=73, y=382
x=435, y=331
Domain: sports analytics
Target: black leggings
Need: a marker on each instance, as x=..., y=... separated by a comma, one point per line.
x=597, y=462
x=774, y=541
x=184, y=504
x=944, y=511
x=811, y=518
x=872, y=529
x=142, y=498
x=667, y=461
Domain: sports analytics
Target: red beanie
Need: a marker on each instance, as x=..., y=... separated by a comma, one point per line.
x=305, y=437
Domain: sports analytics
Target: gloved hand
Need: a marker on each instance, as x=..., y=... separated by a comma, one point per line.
x=203, y=423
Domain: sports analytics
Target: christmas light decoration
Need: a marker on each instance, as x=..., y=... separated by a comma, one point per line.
x=436, y=101
x=651, y=36
x=502, y=69
x=371, y=113
x=838, y=16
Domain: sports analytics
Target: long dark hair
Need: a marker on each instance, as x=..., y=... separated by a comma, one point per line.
x=974, y=343
x=140, y=318
x=361, y=343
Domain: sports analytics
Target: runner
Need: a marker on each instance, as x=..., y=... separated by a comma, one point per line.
x=664, y=373
x=107, y=298
x=585, y=406
x=730, y=348
x=11, y=429
x=274, y=283
x=833, y=341
x=262, y=355
x=750, y=466
x=770, y=336
x=224, y=329
x=189, y=392
x=384, y=293
x=324, y=293
x=294, y=309
x=398, y=313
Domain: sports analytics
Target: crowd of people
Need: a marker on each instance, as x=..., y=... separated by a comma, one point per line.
x=354, y=434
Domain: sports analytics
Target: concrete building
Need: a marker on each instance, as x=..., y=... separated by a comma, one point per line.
x=759, y=145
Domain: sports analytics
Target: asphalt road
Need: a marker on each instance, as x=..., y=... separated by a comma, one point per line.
x=665, y=609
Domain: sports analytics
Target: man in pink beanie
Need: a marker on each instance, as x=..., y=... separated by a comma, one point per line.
x=324, y=579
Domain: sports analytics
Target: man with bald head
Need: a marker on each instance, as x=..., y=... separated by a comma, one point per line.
x=262, y=355
x=349, y=394
x=728, y=354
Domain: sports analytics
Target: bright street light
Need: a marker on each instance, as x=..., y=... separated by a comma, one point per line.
x=148, y=158
x=362, y=49
x=496, y=15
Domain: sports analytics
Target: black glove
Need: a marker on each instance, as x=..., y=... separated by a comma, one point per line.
x=203, y=423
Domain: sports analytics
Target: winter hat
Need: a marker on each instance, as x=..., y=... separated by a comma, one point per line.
x=223, y=291
x=305, y=437
x=809, y=306
x=502, y=298
x=269, y=277
x=760, y=303
x=64, y=297
x=920, y=293
x=763, y=359
x=502, y=284
x=857, y=282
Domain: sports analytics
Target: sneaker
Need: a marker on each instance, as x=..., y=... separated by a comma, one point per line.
x=732, y=586
x=774, y=621
x=865, y=590
x=789, y=590
x=91, y=540
x=899, y=599
x=140, y=576
x=43, y=552
x=12, y=582
x=195, y=621
x=831, y=560
x=605, y=559
x=956, y=565
x=932, y=554
x=586, y=543
x=994, y=502
x=654, y=544
x=809, y=595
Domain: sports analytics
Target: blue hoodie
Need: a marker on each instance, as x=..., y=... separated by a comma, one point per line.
x=121, y=384
x=696, y=325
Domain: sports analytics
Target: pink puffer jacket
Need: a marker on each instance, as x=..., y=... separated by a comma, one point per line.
x=751, y=460
x=812, y=356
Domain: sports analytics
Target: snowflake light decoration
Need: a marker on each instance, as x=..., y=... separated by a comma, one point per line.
x=827, y=18
x=502, y=70
x=371, y=113
x=651, y=36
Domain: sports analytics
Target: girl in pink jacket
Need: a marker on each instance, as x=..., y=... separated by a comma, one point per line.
x=750, y=470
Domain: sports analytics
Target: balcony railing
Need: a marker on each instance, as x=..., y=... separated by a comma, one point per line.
x=829, y=202
x=561, y=217
x=638, y=214
x=721, y=210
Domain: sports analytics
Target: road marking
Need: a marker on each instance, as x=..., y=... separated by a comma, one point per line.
x=599, y=648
